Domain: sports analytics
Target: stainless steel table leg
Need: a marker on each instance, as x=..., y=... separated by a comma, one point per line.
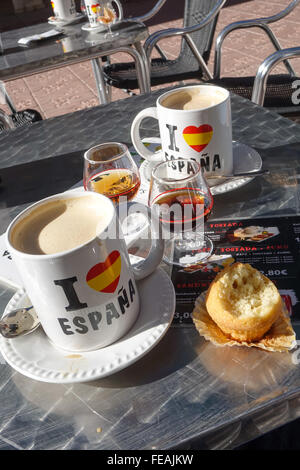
x=6, y=120
x=100, y=82
x=146, y=65
x=7, y=98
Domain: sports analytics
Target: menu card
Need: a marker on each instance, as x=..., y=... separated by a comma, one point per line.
x=271, y=245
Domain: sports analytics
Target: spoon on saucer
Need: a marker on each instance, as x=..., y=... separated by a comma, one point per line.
x=240, y=175
x=19, y=322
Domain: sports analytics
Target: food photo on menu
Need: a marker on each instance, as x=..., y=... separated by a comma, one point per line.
x=255, y=234
x=150, y=249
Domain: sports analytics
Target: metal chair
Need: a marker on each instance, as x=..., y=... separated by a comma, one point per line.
x=289, y=95
x=17, y=118
x=277, y=92
x=200, y=18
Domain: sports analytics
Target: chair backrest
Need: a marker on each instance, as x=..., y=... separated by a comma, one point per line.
x=194, y=12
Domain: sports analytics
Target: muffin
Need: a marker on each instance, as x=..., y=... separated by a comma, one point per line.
x=243, y=302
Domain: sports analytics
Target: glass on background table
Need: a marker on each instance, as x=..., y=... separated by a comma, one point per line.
x=185, y=393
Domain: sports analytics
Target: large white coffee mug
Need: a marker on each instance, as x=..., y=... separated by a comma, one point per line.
x=64, y=9
x=93, y=10
x=85, y=297
x=203, y=133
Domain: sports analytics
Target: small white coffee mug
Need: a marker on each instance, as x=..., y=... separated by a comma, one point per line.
x=93, y=11
x=203, y=134
x=64, y=9
x=86, y=297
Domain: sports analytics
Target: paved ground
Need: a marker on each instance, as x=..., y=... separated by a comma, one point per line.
x=72, y=88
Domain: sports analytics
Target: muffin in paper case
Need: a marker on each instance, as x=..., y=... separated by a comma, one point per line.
x=281, y=336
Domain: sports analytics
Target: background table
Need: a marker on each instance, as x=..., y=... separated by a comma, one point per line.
x=185, y=393
x=73, y=46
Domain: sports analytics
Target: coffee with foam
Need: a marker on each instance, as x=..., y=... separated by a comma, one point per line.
x=60, y=225
x=193, y=98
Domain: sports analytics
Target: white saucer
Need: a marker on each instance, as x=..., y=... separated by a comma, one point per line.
x=245, y=159
x=35, y=356
x=93, y=29
x=61, y=22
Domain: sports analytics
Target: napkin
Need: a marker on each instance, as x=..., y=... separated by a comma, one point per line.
x=40, y=37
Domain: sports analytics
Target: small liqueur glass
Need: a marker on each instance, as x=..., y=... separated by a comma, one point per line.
x=107, y=17
x=109, y=169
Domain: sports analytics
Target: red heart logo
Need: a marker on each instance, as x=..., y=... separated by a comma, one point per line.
x=198, y=137
x=104, y=277
x=95, y=8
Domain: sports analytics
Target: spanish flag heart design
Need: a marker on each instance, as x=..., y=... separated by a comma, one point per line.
x=198, y=137
x=95, y=7
x=52, y=4
x=104, y=277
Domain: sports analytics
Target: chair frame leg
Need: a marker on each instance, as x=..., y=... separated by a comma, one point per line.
x=138, y=54
x=198, y=56
x=7, y=98
x=100, y=82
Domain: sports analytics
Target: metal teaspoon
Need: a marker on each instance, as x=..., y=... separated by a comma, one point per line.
x=19, y=322
x=240, y=175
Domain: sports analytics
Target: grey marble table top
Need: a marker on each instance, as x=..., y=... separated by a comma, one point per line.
x=74, y=45
x=185, y=393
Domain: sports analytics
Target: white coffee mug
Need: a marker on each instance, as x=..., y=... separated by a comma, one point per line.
x=203, y=134
x=93, y=11
x=64, y=9
x=86, y=297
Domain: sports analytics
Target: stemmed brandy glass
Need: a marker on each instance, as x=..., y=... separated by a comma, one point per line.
x=180, y=196
x=108, y=16
x=109, y=169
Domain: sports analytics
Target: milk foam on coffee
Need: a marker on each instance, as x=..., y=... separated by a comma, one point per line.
x=60, y=225
x=193, y=98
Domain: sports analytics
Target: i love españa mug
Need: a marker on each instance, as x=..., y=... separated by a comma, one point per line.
x=86, y=297
x=64, y=9
x=203, y=134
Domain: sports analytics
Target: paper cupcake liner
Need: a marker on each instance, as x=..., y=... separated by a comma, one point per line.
x=281, y=336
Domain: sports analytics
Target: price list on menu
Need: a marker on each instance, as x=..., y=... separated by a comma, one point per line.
x=271, y=245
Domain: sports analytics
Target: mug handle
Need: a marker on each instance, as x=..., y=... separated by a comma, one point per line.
x=120, y=8
x=145, y=267
x=152, y=157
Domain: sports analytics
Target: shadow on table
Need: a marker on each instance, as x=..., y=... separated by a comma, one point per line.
x=177, y=349
x=29, y=182
x=275, y=194
x=284, y=438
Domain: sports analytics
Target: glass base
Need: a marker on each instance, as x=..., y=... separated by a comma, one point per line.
x=135, y=227
x=93, y=29
x=111, y=34
x=187, y=250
